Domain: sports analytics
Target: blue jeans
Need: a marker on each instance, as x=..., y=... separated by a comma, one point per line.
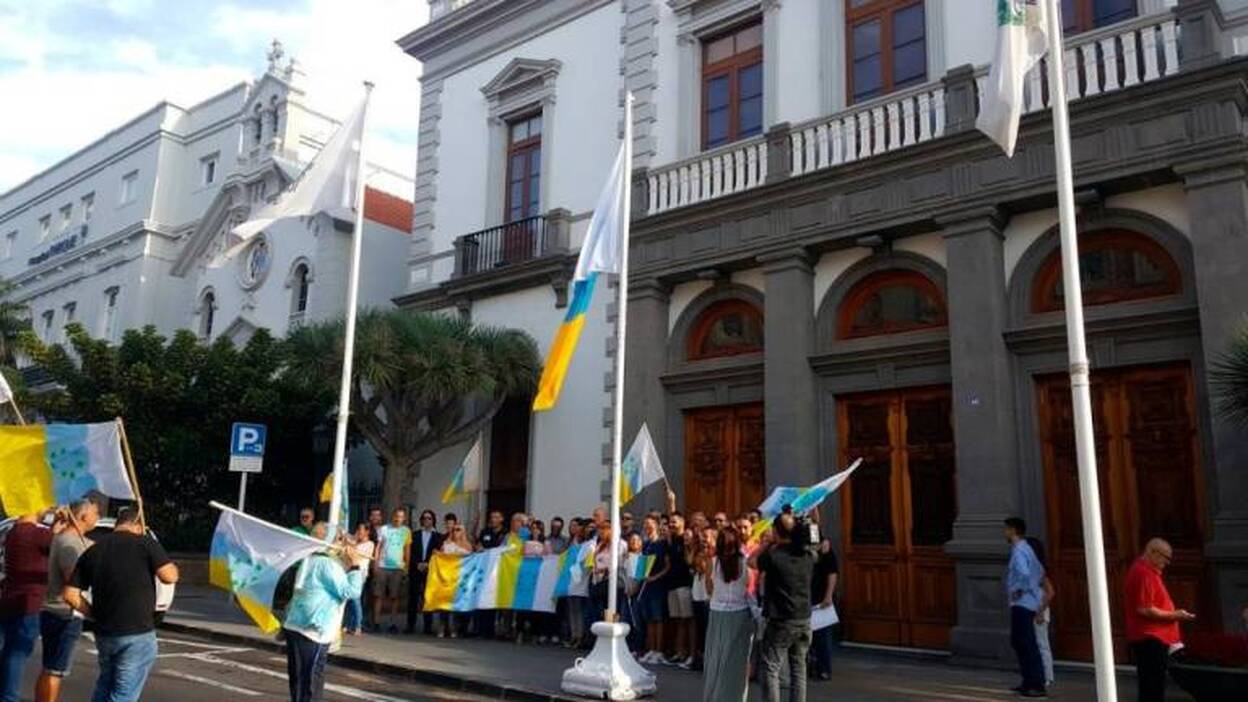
x=1023, y=639
x=20, y=634
x=823, y=643
x=125, y=662
x=353, y=619
x=305, y=667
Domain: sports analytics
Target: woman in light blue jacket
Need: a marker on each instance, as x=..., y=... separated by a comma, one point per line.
x=323, y=585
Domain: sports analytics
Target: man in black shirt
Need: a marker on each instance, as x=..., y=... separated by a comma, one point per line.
x=822, y=589
x=119, y=570
x=786, y=567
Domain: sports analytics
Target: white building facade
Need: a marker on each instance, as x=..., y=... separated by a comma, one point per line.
x=127, y=231
x=829, y=262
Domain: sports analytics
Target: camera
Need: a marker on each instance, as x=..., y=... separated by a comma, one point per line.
x=805, y=531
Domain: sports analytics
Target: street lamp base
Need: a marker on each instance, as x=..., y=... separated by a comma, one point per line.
x=609, y=671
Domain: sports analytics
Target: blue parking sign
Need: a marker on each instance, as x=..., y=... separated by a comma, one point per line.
x=247, y=447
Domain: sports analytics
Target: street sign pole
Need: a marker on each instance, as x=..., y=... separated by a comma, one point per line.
x=242, y=491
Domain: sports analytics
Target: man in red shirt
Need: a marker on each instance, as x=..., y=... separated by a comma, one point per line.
x=1152, y=620
x=21, y=596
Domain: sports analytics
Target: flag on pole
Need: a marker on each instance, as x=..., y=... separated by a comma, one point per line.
x=600, y=253
x=328, y=184
x=55, y=464
x=6, y=392
x=803, y=500
x=1022, y=38
x=248, y=557
x=467, y=478
x=637, y=566
x=641, y=466
x=344, y=506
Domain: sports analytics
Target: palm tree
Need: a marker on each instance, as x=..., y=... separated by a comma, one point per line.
x=422, y=382
x=1229, y=377
x=13, y=322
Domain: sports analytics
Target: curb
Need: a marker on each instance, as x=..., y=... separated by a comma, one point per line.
x=428, y=677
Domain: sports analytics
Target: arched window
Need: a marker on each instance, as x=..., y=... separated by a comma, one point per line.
x=299, y=297
x=889, y=302
x=726, y=328
x=207, y=309
x=1114, y=266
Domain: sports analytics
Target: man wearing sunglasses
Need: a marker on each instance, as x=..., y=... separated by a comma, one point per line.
x=425, y=542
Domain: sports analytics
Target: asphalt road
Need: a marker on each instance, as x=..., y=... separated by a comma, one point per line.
x=189, y=669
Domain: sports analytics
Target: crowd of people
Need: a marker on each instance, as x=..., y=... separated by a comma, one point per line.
x=715, y=586
x=51, y=562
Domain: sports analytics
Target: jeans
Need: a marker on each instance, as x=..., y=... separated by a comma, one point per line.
x=124, y=664
x=20, y=634
x=353, y=618
x=783, y=639
x=822, y=642
x=1151, y=658
x=1023, y=639
x=305, y=667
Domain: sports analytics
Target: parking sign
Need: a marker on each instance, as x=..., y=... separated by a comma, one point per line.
x=247, y=447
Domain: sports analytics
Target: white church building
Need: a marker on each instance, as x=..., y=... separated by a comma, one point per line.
x=123, y=233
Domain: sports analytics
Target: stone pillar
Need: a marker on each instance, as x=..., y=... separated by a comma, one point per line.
x=1200, y=41
x=961, y=105
x=789, y=404
x=1217, y=200
x=983, y=417
x=779, y=153
x=646, y=359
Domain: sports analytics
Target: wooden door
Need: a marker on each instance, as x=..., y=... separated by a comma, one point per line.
x=509, y=457
x=898, y=513
x=724, y=459
x=1147, y=452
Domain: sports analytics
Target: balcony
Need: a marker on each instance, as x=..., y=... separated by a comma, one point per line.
x=1107, y=60
x=502, y=246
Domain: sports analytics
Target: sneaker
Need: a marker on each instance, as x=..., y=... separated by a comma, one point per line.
x=686, y=664
x=1033, y=693
x=648, y=658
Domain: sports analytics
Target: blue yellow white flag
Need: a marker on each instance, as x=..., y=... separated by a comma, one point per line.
x=802, y=500
x=641, y=466
x=467, y=478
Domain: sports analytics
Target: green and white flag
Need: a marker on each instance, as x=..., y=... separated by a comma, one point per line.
x=1022, y=40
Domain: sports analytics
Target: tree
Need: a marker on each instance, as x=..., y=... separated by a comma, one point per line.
x=1229, y=377
x=13, y=322
x=178, y=398
x=422, y=382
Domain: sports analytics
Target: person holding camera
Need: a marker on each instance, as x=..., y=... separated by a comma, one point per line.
x=786, y=567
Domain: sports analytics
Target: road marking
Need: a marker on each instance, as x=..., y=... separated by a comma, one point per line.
x=197, y=644
x=207, y=681
x=222, y=650
x=344, y=690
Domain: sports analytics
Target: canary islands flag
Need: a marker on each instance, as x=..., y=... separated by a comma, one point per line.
x=801, y=500
x=54, y=464
x=600, y=253
x=467, y=478
x=641, y=466
x=344, y=507
x=248, y=556
x=638, y=566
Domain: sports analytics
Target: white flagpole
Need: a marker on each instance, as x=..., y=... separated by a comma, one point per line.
x=1081, y=399
x=621, y=320
x=348, y=350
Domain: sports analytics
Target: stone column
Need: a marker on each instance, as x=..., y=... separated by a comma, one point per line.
x=1200, y=41
x=983, y=416
x=646, y=359
x=1217, y=200
x=789, y=406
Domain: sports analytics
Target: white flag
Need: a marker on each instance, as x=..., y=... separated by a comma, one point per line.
x=328, y=184
x=641, y=466
x=600, y=253
x=1022, y=40
x=6, y=392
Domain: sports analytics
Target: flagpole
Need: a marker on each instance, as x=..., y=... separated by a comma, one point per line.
x=348, y=347
x=621, y=323
x=1081, y=399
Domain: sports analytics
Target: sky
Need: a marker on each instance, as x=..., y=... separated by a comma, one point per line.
x=72, y=70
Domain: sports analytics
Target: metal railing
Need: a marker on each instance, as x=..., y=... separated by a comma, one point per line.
x=501, y=246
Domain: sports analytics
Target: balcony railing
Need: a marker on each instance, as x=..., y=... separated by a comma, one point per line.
x=1114, y=58
x=730, y=169
x=501, y=246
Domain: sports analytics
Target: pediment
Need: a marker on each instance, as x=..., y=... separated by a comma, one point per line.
x=240, y=330
x=522, y=74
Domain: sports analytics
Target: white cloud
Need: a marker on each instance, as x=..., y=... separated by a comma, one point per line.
x=57, y=102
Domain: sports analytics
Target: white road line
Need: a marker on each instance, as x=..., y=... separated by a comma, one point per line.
x=216, y=650
x=196, y=644
x=345, y=691
x=207, y=681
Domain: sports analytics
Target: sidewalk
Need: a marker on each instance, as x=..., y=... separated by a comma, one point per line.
x=529, y=672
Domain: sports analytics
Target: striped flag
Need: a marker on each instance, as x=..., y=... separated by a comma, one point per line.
x=637, y=566
x=467, y=478
x=497, y=578
x=803, y=500
x=248, y=557
x=55, y=464
x=600, y=253
x=1022, y=40
x=327, y=497
x=641, y=466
